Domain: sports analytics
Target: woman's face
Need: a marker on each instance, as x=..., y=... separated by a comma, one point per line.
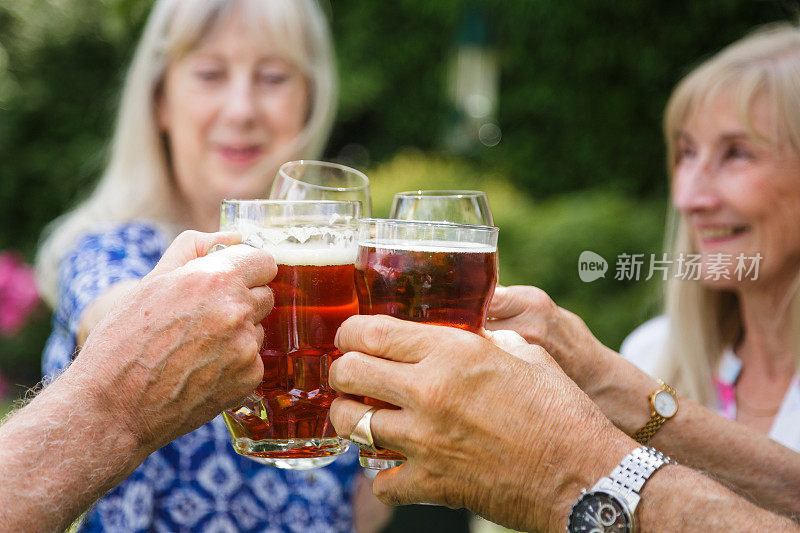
x=232, y=111
x=740, y=195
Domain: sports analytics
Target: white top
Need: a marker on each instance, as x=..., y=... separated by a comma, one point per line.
x=644, y=348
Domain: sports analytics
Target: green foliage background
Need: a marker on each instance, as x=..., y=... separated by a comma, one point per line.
x=580, y=165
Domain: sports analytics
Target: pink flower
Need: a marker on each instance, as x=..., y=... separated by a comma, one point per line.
x=18, y=294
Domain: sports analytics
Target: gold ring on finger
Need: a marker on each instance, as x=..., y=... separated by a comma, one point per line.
x=362, y=433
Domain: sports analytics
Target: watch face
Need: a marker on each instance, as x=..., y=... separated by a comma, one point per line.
x=664, y=404
x=598, y=512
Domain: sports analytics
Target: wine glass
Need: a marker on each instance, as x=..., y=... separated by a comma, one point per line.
x=458, y=207
x=320, y=180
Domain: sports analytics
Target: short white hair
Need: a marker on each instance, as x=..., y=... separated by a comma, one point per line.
x=138, y=182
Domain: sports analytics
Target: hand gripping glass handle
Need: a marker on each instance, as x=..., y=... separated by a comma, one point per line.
x=254, y=396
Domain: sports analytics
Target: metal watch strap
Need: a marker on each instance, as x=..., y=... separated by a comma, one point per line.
x=624, y=484
x=629, y=476
x=648, y=430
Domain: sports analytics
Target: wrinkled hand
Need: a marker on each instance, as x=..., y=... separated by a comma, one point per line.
x=480, y=428
x=185, y=344
x=530, y=312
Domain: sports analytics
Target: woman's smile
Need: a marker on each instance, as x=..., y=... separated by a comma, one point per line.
x=239, y=156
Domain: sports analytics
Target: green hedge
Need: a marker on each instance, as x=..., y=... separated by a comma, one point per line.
x=582, y=88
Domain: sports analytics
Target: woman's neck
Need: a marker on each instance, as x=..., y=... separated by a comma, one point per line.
x=766, y=339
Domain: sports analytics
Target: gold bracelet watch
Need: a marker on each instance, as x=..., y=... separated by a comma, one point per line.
x=663, y=406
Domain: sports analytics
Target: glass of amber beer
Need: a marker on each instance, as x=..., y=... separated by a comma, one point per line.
x=285, y=421
x=428, y=272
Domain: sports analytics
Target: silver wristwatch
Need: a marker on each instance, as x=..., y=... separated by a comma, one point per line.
x=610, y=504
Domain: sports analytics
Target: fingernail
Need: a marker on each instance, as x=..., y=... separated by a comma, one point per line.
x=336, y=337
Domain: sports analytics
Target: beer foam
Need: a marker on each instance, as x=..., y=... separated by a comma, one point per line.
x=291, y=254
x=302, y=245
x=448, y=247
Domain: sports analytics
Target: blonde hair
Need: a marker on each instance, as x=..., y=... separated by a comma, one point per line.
x=703, y=321
x=137, y=182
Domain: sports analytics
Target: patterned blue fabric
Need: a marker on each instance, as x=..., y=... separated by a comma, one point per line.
x=197, y=482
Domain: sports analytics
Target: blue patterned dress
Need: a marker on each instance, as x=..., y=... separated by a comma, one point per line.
x=197, y=482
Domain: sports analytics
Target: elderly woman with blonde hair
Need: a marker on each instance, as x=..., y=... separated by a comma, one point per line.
x=730, y=339
x=219, y=94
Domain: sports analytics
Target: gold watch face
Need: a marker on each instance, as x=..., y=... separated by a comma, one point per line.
x=665, y=404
